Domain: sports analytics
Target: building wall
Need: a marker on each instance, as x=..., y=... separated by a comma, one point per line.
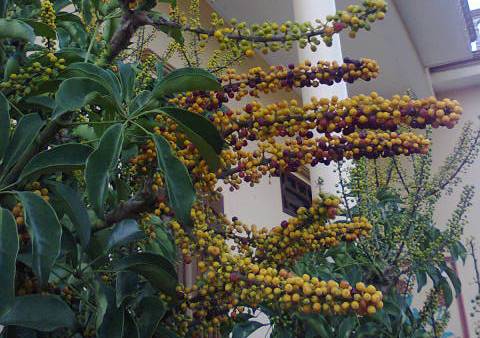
x=443, y=143
x=390, y=44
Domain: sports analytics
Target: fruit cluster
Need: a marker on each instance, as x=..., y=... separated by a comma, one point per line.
x=272, y=36
x=29, y=78
x=257, y=81
x=47, y=13
x=248, y=273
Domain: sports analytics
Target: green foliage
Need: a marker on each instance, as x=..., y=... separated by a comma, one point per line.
x=69, y=125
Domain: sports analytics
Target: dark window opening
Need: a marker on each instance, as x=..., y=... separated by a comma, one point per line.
x=296, y=193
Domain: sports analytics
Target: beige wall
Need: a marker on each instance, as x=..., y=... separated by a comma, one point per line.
x=443, y=142
x=390, y=44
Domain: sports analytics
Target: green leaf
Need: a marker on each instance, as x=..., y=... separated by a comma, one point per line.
x=457, y=284
x=181, y=193
x=110, y=27
x=139, y=101
x=4, y=125
x=127, y=79
x=102, y=76
x=200, y=131
x=184, y=80
x=447, y=291
x=75, y=209
x=164, y=332
x=25, y=134
x=130, y=328
x=125, y=232
x=317, y=324
x=155, y=268
x=8, y=257
x=16, y=30
x=125, y=286
x=110, y=319
x=12, y=66
x=46, y=233
x=245, y=329
x=41, y=29
x=40, y=312
x=75, y=93
x=150, y=311
x=100, y=164
x=346, y=327
x=174, y=32
x=64, y=158
x=421, y=279
x=40, y=100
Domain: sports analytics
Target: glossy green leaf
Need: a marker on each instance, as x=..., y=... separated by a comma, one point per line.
x=139, y=101
x=41, y=100
x=421, y=279
x=184, y=80
x=100, y=165
x=110, y=27
x=446, y=290
x=127, y=79
x=64, y=158
x=125, y=286
x=130, y=327
x=346, y=327
x=200, y=131
x=150, y=311
x=174, y=32
x=125, y=232
x=75, y=209
x=101, y=75
x=8, y=256
x=245, y=329
x=4, y=125
x=76, y=31
x=181, y=193
x=40, y=312
x=41, y=29
x=46, y=233
x=25, y=134
x=457, y=284
x=16, y=30
x=164, y=332
x=110, y=319
x=12, y=66
x=75, y=93
x=317, y=324
x=159, y=271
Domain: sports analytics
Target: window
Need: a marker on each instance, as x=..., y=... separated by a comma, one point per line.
x=296, y=193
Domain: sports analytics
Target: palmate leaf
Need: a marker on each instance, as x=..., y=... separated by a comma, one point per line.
x=181, y=193
x=8, y=256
